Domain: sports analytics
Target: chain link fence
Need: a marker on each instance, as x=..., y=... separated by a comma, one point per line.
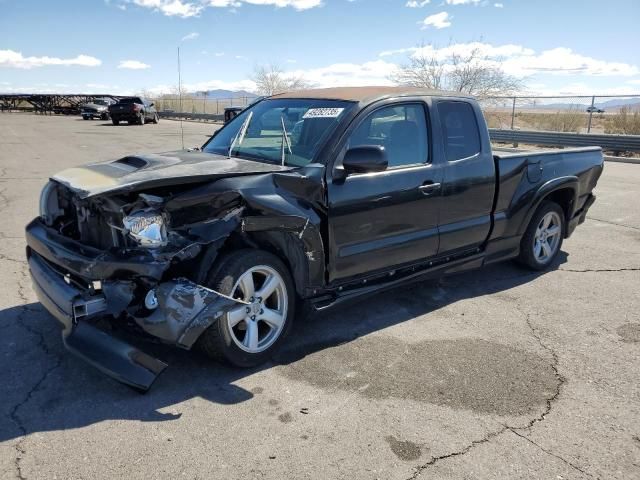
x=198, y=104
x=578, y=114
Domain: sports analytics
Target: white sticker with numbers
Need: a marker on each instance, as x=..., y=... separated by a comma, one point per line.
x=323, y=113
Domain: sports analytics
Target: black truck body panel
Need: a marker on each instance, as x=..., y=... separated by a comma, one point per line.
x=341, y=235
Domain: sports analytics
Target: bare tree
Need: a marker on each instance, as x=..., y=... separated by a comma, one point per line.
x=271, y=79
x=473, y=73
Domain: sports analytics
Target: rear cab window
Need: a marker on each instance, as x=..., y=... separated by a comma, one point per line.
x=461, y=136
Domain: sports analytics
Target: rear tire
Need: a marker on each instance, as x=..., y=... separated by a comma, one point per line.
x=249, y=335
x=542, y=240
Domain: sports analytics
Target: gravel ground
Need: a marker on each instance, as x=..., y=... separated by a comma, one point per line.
x=499, y=373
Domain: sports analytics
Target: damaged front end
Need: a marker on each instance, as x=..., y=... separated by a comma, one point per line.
x=137, y=248
x=117, y=256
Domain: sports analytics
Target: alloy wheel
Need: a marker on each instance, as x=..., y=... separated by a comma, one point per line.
x=255, y=326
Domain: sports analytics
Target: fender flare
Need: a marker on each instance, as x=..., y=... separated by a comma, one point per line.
x=300, y=241
x=544, y=191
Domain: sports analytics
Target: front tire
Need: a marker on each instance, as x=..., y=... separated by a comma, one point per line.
x=115, y=122
x=542, y=240
x=141, y=118
x=156, y=119
x=248, y=335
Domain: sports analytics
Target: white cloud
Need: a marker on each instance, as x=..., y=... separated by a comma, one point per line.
x=133, y=65
x=349, y=74
x=464, y=49
x=437, y=20
x=338, y=74
x=89, y=88
x=193, y=8
x=388, y=53
x=498, y=5
x=218, y=54
x=296, y=4
x=190, y=36
x=463, y=2
x=172, y=7
x=13, y=59
x=522, y=62
x=416, y=3
x=564, y=61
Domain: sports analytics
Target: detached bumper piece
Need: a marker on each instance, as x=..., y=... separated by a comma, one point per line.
x=70, y=306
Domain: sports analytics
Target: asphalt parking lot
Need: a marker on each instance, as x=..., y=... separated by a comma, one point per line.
x=500, y=373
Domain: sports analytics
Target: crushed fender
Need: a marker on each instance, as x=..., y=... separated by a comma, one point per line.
x=184, y=311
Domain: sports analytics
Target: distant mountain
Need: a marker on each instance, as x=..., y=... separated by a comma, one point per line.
x=614, y=103
x=619, y=102
x=221, y=93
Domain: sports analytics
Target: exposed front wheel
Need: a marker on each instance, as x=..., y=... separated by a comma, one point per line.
x=249, y=333
x=543, y=238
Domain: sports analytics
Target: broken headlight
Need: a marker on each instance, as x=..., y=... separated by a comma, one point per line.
x=147, y=228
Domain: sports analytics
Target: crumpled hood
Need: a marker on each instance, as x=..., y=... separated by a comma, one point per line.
x=156, y=170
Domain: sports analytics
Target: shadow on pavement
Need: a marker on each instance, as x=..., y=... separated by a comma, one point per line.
x=75, y=395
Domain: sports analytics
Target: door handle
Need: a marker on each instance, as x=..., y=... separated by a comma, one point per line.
x=429, y=188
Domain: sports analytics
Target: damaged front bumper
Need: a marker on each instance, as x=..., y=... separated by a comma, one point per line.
x=63, y=272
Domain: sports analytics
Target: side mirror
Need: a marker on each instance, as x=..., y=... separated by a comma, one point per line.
x=152, y=104
x=365, y=159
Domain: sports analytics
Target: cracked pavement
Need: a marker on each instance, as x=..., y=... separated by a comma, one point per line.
x=499, y=373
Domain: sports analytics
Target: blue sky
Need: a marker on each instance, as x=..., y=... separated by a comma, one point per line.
x=125, y=46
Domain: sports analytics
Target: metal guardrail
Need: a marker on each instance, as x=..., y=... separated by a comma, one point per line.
x=618, y=143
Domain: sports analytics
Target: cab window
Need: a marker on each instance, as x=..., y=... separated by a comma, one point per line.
x=459, y=129
x=400, y=129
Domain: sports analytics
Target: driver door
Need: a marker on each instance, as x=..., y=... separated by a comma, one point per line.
x=381, y=220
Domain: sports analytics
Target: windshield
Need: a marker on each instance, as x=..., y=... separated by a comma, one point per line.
x=284, y=131
x=99, y=101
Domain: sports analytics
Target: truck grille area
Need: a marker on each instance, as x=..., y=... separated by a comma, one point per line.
x=85, y=222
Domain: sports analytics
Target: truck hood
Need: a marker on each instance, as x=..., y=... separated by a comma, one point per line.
x=135, y=172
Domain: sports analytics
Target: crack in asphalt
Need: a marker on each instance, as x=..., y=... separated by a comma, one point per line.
x=554, y=365
x=549, y=452
x=549, y=405
x=41, y=344
x=9, y=259
x=613, y=223
x=598, y=270
x=458, y=453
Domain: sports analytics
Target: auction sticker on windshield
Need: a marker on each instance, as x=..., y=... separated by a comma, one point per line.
x=323, y=113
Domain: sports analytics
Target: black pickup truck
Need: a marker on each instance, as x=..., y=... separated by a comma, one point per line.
x=134, y=110
x=317, y=196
